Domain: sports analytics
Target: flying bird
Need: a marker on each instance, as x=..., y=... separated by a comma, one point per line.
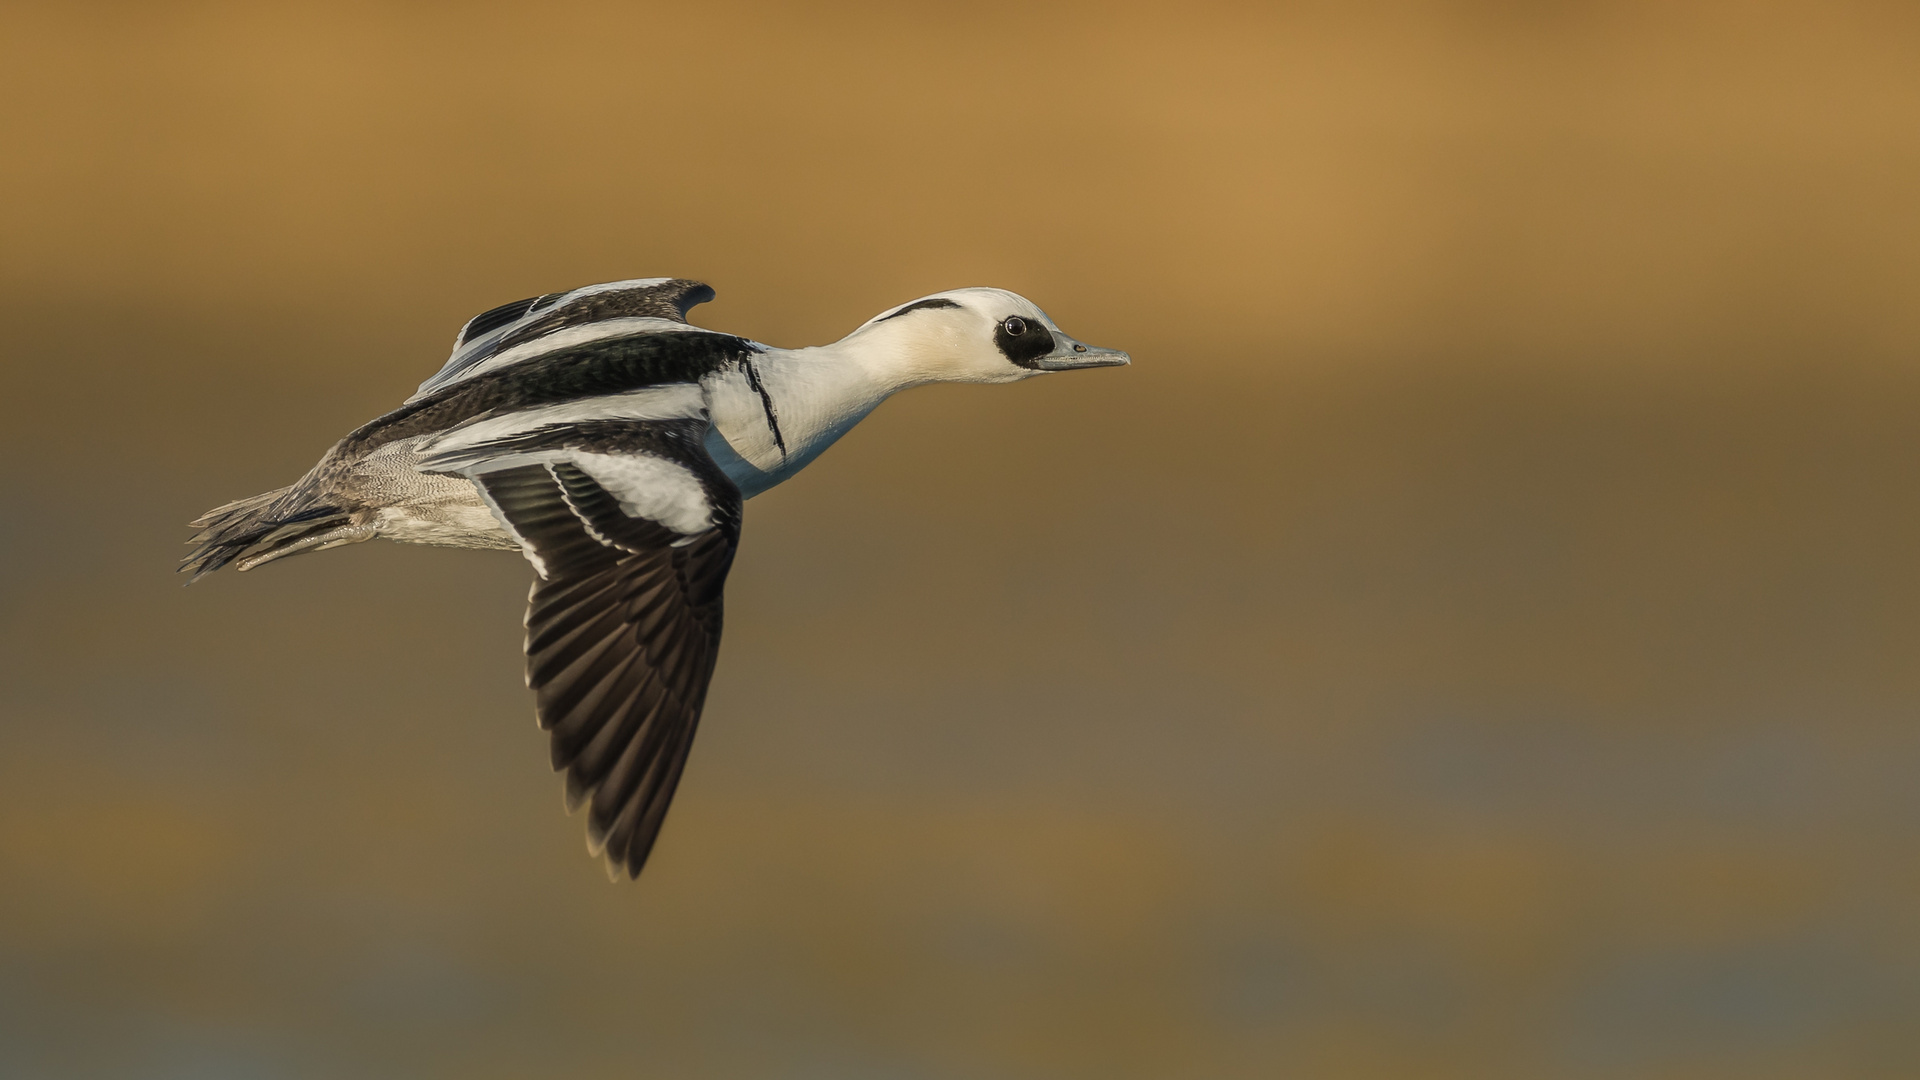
x=612, y=443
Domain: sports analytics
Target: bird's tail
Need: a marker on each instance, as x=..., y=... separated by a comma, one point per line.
x=269, y=526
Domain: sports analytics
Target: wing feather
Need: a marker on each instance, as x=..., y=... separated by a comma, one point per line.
x=510, y=326
x=624, y=619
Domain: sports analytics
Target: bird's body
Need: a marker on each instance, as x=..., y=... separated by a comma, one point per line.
x=613, y=444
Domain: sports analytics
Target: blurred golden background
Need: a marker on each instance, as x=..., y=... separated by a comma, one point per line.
x=1475, y=639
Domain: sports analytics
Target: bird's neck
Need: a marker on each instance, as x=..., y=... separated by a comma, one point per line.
x=777, y=411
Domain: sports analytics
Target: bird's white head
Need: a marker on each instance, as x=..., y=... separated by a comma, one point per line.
x=973, y=335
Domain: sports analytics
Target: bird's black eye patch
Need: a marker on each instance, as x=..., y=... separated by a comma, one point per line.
x=1022, y=340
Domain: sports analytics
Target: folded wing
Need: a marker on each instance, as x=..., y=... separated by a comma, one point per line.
x=631, y=528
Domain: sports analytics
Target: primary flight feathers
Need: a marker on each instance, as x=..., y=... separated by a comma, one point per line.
x=613, y=444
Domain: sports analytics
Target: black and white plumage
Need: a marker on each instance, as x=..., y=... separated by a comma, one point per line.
x=613, y=444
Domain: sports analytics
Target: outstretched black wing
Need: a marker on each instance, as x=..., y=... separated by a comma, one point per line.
x=632, y=529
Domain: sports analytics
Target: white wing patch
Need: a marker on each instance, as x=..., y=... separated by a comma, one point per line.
x=651, y=487
x=648, y=487
x=679, y=401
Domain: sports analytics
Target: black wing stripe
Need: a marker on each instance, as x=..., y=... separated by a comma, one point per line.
x=506, y=314
x=525, y=495
x=669, y=300
x=527, y=320
x=494, y=318
x=602, y=514
x=708, y=560
x=621, y=641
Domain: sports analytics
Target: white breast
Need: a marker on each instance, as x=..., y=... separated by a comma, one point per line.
x=811, y=397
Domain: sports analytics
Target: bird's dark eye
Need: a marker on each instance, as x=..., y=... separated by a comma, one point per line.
x=1021, y=341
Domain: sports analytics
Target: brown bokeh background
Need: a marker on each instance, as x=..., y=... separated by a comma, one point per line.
x=1476, y=639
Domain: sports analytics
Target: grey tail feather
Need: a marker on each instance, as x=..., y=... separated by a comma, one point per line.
x=265, y=527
